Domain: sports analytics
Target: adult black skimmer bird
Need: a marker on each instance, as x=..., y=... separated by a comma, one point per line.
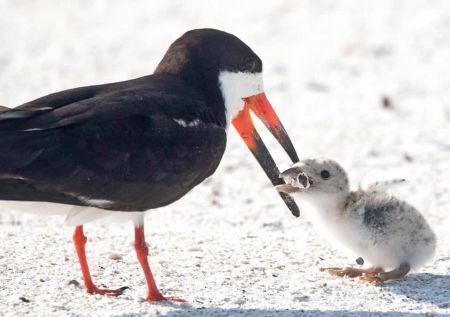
x=136, y=145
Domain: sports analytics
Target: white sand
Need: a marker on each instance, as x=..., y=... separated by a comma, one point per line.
x=230, y=247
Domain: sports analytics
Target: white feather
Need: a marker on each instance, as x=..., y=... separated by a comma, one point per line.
x=75, y=215
x=237, y=85
x=185, y=124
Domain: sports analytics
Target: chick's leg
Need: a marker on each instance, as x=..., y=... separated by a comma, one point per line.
x=350, y=271
x=395, y=274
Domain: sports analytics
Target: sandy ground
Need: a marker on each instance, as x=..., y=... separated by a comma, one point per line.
x=230, y=247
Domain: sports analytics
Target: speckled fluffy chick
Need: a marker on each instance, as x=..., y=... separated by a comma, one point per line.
x=382, y=229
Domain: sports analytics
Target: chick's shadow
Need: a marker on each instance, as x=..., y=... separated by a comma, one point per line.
x=423, y=287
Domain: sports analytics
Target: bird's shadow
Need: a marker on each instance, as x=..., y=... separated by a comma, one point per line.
x=423, y=287
x=242, y=312
x=222, y=312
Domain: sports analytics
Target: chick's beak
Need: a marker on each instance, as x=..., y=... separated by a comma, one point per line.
x=287, y=188
x=244, y=125
x=296, y=180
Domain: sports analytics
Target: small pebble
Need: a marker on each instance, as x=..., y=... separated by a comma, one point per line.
x=115, y=256
x=386, y=102
x=74, y=282
x=23, y=299
x=408, y=158
x=301, y=298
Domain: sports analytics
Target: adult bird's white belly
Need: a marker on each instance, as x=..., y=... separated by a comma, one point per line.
x=74, y=215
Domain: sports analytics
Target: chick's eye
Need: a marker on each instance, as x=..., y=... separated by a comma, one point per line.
x=325, y=174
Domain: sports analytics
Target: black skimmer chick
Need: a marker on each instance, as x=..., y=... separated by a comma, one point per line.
x=127, y=147
x=385, y=231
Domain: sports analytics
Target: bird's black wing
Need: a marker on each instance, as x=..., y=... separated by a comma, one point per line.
x=134, y=147
x=51, y=102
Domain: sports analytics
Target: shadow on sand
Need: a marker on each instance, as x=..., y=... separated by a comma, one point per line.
x=237, y=312
x=218, y=312
x=423, y=287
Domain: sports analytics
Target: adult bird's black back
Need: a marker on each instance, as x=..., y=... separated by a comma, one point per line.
x=139, y=144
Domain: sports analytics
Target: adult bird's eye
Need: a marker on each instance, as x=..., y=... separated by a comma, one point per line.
x=325, y=174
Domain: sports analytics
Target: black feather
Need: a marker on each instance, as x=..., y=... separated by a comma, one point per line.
x=118, y=142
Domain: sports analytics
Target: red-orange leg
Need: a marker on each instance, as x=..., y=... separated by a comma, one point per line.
x=79, y=240
x=142, y=254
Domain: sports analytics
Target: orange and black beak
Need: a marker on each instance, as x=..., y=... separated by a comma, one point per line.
x=244, y=125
